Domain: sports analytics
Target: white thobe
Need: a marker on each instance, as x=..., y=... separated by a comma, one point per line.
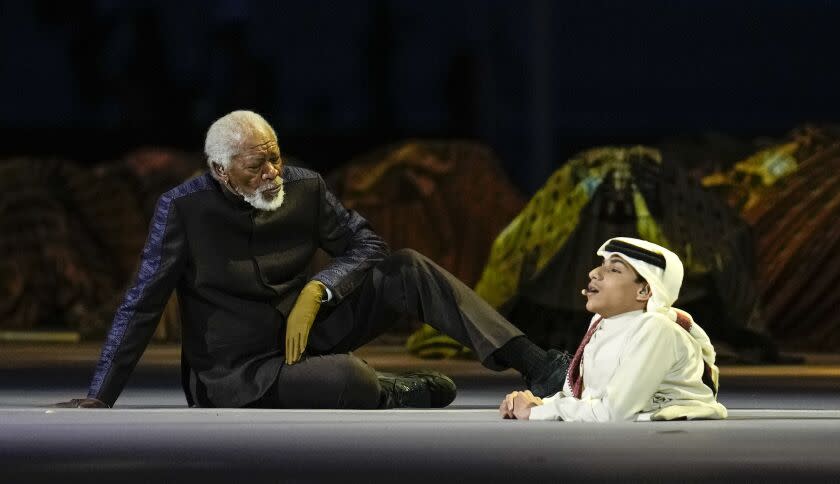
x=637, y=366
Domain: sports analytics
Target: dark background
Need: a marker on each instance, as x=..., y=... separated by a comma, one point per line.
x=534, y=79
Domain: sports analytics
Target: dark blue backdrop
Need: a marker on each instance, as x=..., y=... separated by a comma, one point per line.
x=535, y=79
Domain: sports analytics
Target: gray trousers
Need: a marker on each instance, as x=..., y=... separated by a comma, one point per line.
x=405, y=286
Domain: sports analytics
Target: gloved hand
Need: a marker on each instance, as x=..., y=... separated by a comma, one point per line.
x=82, y=403
x=301, y=318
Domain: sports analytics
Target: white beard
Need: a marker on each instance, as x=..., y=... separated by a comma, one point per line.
x=259, y=202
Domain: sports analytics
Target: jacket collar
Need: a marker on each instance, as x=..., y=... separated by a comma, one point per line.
x=234, y=199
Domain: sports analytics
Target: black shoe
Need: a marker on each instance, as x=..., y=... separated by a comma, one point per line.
x=417, y=389
x=553, y=376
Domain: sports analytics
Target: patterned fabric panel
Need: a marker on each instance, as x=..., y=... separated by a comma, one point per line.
x=364, y=248
x=148, y=271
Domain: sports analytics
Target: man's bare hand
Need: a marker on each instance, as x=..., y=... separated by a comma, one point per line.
x=301, y=319
x=82, y=403
x=518, y=405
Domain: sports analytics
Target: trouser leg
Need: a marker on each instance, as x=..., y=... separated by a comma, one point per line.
x=338, y=381
x=407, y=285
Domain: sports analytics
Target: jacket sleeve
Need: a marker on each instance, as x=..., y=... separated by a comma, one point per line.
x=650, y=354
x=135, y=321
x=348, y=238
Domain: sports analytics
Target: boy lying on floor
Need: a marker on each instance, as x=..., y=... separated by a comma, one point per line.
x=641, y=358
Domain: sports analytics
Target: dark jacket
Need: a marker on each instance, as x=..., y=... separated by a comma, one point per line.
x=238, y=272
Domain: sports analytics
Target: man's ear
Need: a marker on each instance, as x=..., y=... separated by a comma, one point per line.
x=644, y=293
x=219, y=170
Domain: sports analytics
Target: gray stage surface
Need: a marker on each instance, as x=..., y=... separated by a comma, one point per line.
x=784, y=425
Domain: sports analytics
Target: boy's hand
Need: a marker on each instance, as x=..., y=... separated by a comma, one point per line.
x=518, y=405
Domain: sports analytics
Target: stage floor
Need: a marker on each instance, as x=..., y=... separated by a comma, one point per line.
x=784, y=422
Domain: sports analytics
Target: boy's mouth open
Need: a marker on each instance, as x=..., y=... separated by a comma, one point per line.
x=590, y=291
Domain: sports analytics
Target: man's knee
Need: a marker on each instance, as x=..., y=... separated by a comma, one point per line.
x=328, y=381
x=405, y=258
x=360, y=387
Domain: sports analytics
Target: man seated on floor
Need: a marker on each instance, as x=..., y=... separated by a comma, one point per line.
x=641, y=358
x=257, y=330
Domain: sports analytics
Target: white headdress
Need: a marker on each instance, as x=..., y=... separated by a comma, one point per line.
x=661, y=268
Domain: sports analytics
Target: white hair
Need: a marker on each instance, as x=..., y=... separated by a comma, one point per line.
x=226, y=135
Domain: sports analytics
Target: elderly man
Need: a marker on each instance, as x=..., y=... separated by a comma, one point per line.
x=257, y=330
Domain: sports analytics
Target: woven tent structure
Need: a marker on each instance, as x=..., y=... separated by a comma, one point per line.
x=540, y=261
x=57, y=276
x=445, y=199
x=790, y=194
x=77, y=236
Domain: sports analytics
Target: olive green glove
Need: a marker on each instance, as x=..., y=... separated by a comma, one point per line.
x=301, y=319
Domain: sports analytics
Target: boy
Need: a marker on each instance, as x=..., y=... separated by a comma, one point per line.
x=641, y=359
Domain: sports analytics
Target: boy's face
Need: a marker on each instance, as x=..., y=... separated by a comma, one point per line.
x=613, y=289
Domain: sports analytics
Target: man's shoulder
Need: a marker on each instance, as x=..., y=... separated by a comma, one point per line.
x=196, y=184
x=296, y=173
